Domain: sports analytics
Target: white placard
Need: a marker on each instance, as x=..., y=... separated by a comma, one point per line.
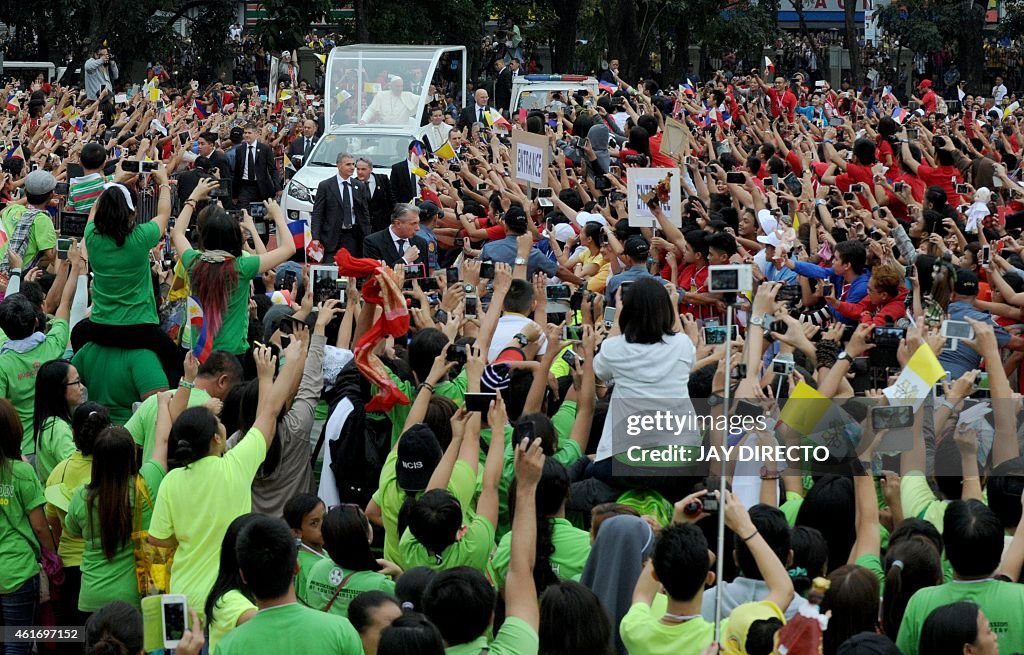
x=529, y=157
x=641, y=180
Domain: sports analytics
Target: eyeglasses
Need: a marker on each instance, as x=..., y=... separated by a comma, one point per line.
x=74, y=383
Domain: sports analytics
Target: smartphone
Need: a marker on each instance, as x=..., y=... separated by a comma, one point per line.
x=183, y=137
x=716, y=335
x=139, y=167
x=457, y=353
x=849, y=196
x=285, y=281
x=325, y=283
x=479, y=402
x=735, y=178
x=572, y=333
x=957, y=330
x=899, y=187
x=525, y=429
x=258, y=211
x=913, y=133
x=985, y=255
x=557, y=292
x=451, y=276
x=223, y=189
x=62, y=189
x=544, y=192
x=173, y=618
x=609, y=316
x=982, y=382
x=487, y=270
x=414, y=271
x=857, y=188
x=236, y=214
x=63, y=246
x=481, y=186
x=889, y=418
x=962, y=189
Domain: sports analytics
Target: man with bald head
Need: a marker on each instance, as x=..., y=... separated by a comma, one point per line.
x=302, y=145
x=477, y=112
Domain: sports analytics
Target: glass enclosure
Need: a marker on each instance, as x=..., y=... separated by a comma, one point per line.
x=381, y=149
x=390, y=84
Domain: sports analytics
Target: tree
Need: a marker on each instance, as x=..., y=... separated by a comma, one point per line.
x=286, y=22
x=852, y=45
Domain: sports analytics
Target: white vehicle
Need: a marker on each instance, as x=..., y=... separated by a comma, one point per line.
x=537, y=91
x=375, y=102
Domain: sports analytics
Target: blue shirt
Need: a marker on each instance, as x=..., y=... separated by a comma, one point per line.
x=631, y=274
x=783, y=274
x=958, y=362
x=431, y=239
x=852, y=292
x=504, y=250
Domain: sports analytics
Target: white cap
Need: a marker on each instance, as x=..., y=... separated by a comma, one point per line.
x=771, y=239
x=563, y=232
x=582, y=218
x=767, y=221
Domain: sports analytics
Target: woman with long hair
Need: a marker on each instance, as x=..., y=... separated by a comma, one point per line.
x=118, y=500
x=956, y=629
x=124, y=306
x=23, y=531
x=562, y=549
x=59, y=390
x=86, y=424
x=411, y=634
x=910, y=565
x=219, y=274
x=212, y=486
x=573, y=621
x=352, y=569
x=229, y=605
x=369, y=613
x=853, y=600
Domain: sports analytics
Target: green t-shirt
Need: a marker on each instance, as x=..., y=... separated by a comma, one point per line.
x=515, y=637
x=919, y=500
x=643, y=633
x=122, y=284
x=106, y=580
x=292, y=628
x=118, y=378
x=454, y=390
x=20, y=493
x=195, y=506
x=473, y=549
x=325, y=577
x=307, y=558
x=56, y=443
x=226, y=613
x=1000, y=601
x=572, y=548
x=389, y=497
x=142, y=424
x=18, y=376
x=42, y=236
x=234, y=329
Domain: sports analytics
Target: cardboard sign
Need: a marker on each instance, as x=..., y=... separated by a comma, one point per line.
x=639, y=181
x=675, y=142
x=529, y=157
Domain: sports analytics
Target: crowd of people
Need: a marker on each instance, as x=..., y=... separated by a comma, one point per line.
x=405, y=433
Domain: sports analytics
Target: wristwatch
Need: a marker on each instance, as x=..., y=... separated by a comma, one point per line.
x=520, y=261
x=843, y=356
x=521, y=338
x=762, y=321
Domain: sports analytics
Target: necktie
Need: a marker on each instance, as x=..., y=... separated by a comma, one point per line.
x=305, y=149
x=412, y=181
x=481, y=114
x=401, y=247
x=346, y=206
x=252, y=162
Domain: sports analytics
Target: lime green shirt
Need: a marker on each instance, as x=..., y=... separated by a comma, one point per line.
x=454, y=390
x=307, y=558
x=195, y=506
x=65, y=478
x=515, y=637
x=643, y=633
x=325, y=577
x=229, y=608
x=234, y=329
x=292, y=628
x=105, y=580
x=118, y=378
x=142, y=424
x=56, y=443
x=42, y=236
x=122, y=284
x=473, y=549
x=18, y=376
x=20, y=493
x=1000, y=601
x=572, y=548
x=389, y=497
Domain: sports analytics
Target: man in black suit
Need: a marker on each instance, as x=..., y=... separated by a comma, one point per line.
x=299, y=149
x=503, y=86
x=341, y=217
x=404, y=182
x=255, y=178
x=476, y=112
x=379, y=198
x=399, y=243
x=208, y=148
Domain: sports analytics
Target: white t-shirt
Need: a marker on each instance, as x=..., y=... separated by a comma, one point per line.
x=508, y=326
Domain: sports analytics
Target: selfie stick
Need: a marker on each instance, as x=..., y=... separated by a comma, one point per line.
x=720, y=548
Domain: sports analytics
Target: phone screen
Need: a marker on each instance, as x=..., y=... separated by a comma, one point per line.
x=174, y=621
x=478, y=402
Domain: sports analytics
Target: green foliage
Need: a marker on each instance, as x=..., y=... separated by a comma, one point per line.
x=924, y=26
x=288, y=21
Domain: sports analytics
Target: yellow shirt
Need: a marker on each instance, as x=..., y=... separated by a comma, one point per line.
x=599, y=280
x=67, y=476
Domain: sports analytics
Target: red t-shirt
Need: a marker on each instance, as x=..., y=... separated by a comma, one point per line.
x=928, y=102
x=917, y=188
x=659, y=160
x=857, y=174
x=786, y=102
x=795, y=164
x=942, y=176
x=885, y=155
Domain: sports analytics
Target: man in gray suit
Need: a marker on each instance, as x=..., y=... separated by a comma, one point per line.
x=341, y=215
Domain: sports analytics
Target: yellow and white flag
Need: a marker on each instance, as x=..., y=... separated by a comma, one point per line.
x=916, y=380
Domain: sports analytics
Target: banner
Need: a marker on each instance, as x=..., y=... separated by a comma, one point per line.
x=639, y=181
x=529, y=157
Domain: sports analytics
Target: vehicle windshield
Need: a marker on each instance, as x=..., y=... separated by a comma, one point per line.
x=384, y=87
x=381, y=149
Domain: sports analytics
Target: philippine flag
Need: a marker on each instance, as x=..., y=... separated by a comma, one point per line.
x=899, y=115
x=300, y=234
x=688, y=88
x=202, y=344
x=12, y=104
x=200, y=110
x=608, y=87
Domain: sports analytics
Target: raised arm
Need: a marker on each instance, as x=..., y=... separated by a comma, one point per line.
x=520, y=590
x=487, y=506
x=285, y=247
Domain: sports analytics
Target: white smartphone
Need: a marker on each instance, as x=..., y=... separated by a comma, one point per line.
x=609, y=316
x=173, y=618
x=957, y=330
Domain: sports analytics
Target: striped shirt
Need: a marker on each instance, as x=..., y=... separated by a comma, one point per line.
x=85, y=190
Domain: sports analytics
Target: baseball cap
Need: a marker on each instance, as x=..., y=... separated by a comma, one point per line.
x=515, y=218
x=39, y=183
x=418, y=456
x=582, y=218
x=966, y=282
x=770, y=239
x=924, y=84
x=636, y=247
x=563, y=232
x=767, y=221
x=428, y=209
